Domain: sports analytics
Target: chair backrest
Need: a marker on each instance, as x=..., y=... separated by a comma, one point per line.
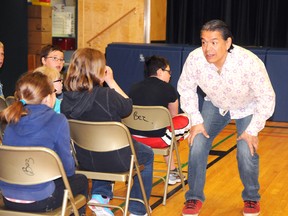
x=10, y=100
x=148, y=118
x=99, y=136
x=32, y=165
x=3, y=104
x=29, y=165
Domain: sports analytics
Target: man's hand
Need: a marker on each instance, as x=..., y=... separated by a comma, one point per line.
x=194, y=130
x=252, y=141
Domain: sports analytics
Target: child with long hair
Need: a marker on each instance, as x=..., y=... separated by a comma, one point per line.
x=32, y=122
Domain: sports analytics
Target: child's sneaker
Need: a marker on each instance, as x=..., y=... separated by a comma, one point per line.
x=175, y=177
x=172, y=179
x=192, y=208
x=99, y=211
x=251, y=208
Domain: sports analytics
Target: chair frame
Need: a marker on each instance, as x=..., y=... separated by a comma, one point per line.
x=97, y=137
x=9, y=100
x=149, y=118
x=3, y=103
x=35, y=165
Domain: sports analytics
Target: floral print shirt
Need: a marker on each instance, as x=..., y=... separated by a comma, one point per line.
x=242, y=88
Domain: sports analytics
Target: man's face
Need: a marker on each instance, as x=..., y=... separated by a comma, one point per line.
x=214, y=47
x=1, y=56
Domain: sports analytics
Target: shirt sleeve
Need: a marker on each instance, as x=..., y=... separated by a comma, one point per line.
x=122, y=105
x=264, y=99
x=187, y=88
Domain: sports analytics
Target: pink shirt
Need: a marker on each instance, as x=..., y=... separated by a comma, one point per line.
x=243, y=87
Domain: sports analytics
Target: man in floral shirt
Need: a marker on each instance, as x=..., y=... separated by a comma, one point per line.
x=237, y=86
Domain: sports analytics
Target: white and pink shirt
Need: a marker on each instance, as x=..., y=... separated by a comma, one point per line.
x=243, y=87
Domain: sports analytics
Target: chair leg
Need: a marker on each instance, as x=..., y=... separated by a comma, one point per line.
x=146, y=203
x=179, y=166
x=75, y=210
x=64, y=204
x=167, y=174
x=129, y=186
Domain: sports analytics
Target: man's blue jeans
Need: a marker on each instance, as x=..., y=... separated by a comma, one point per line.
x=145, y=156
x=248, y=165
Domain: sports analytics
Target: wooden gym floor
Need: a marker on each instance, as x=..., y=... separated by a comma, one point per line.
x=223, y=186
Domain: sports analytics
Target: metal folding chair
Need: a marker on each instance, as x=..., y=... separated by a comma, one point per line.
x=149, y=118
x=44, y=165
x=105, y=137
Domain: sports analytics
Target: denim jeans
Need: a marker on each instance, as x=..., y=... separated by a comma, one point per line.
x=248, y=165
x=145, y=156
x=78, y=184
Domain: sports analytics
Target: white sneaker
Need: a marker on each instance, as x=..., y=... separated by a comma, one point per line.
x=175, y=178
x=172, y=180
x=99, y=211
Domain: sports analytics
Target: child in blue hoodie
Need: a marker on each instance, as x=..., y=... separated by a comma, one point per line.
x=32, y=122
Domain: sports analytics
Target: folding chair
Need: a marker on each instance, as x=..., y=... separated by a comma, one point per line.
x=9, y=100
x=149, y=118
x=3, y=104
x=35, y=165
x=105, y=137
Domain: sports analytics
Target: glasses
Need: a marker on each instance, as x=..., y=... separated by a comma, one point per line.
x=169, y=71
x=55, y=59
x=59, y=80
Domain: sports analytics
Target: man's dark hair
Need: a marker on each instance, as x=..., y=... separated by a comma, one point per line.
x=222, y=27
x=153, y=63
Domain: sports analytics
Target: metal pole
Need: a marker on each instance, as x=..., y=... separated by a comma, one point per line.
x=147, y=21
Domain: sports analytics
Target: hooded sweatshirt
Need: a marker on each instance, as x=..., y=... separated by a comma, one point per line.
x=41, y=127
x=102, y=104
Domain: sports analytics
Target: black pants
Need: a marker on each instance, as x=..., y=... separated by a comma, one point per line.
x=78, y=184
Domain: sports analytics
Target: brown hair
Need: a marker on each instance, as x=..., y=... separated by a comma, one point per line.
x=31, y=88
x=46, y=50
x=87, y=67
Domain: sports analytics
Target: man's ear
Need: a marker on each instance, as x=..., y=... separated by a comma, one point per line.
x=228, y=43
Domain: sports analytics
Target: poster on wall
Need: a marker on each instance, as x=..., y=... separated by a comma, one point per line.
x=63, y=21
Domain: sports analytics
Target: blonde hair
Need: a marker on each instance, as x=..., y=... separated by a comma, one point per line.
x=87, y=67
x=1, y=45
x=51, y=73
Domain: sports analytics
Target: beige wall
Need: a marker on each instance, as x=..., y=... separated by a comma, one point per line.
x=101, y=22
x=94, y=16
x=158, y=20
